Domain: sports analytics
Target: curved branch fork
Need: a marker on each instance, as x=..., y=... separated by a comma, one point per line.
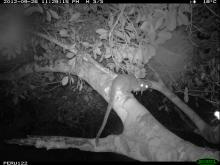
x=143, y=138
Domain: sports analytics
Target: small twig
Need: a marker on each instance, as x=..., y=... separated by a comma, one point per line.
x=199, y=29
x=55, y=41
x=191, y=17
x=45, y=84
x=212, y=11
x=199, y=91
x=194, y=95
x=52, y=83
x=53, y=88
x=116, y=22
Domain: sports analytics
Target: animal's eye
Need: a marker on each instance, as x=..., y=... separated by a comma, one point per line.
x=142, y=85
x=146, y=86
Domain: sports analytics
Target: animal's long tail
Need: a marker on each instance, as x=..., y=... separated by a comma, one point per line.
x=103, y=123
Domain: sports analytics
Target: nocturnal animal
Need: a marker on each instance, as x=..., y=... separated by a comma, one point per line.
x=124, y=83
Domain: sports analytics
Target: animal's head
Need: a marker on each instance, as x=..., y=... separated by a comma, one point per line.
x=140, y=85
x=144, y=85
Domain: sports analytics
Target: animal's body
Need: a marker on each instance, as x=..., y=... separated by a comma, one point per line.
x=124, y=83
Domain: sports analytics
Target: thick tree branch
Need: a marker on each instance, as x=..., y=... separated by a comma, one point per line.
x=143, y=138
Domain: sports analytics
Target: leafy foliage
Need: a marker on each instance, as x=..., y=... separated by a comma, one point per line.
x=122, y=37
x=128, y=34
